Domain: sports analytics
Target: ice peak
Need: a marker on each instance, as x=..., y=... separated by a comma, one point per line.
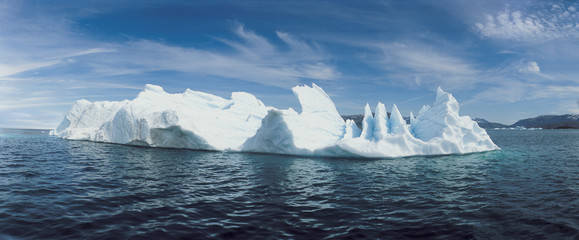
x=314, y=99
x=82, y=102
x=352, y=131
x=153, y=88
x=443, y=97
x=397, y=123
x=367, y=123
x=441, y=94
x=380, y=122
x=367, y=111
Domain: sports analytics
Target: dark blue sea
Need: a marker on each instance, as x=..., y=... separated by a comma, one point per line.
x=52, y=188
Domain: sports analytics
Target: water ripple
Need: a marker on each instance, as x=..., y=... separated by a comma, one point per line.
x=57, y=189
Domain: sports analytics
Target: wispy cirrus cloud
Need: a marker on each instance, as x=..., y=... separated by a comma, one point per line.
x=425, y=59
x=89, y=51
x=421, y=64
x=514, y=91
x=8, y=69
x=253, y=59
x=483, y=51
x=66, y=64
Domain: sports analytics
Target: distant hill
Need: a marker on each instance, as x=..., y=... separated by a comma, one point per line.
x=567, y=121
x=486, y=124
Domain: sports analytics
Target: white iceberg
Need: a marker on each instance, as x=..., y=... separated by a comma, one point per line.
x=202, y=121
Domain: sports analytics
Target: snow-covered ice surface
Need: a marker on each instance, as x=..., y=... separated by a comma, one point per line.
x=198, y=120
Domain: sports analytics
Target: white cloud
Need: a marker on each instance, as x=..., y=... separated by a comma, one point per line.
x=542, y=25
x=532, y=67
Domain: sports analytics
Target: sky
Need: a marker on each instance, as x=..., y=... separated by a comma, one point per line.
x=502, y=60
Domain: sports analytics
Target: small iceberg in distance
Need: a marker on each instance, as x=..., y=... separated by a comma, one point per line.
x=202, y=121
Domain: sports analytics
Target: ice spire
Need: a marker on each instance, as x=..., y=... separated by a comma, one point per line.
x=397, y=123
x=412, y=123
x=367, y=124
x=352, y=131
x=380, y=122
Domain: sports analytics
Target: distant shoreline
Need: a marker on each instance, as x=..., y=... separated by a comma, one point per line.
x=31, y=129
x=25, y=131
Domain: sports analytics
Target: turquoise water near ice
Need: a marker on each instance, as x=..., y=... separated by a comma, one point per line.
x=59, y=189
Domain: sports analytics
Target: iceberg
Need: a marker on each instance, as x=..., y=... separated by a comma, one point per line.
x=202, y=121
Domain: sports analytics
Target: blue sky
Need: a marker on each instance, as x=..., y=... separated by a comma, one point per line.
x=502, y=60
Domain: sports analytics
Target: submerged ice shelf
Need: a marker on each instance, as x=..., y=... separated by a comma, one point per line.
x=198, y=120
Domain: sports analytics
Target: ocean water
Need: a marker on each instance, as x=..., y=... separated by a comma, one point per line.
x=52, y=188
